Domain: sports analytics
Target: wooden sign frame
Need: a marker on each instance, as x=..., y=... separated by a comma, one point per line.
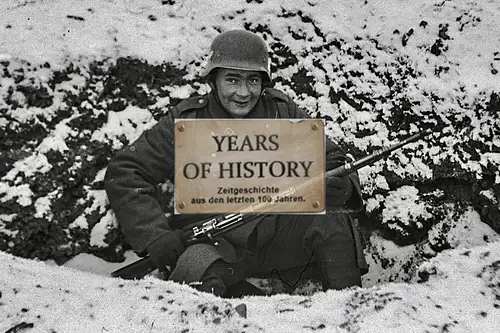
x=249, y=166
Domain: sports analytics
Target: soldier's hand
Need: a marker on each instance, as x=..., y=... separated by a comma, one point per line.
x=338, y=190
x=166, y=249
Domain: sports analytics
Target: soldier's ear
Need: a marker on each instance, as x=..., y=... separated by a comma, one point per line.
x=266, y=83
x=212, y=85
x=212, y=82
x=212, y=79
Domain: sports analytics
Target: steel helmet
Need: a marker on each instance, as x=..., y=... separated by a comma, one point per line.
x=239, y=49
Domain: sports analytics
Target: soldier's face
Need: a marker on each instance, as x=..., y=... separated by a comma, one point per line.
x=238, y=90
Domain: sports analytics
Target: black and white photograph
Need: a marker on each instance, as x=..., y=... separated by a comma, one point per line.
x=249, y=166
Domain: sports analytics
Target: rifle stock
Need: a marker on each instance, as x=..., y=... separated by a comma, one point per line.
x=144, y=266
x=136, y=270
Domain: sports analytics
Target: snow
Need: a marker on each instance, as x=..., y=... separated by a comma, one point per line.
x=99, y=201
x=180, y=92
x=461, y=294
x=29, y=166
x=403, y=205
x=130, y=122
x=99, y=231
x=7, y=218
x=467, y=230
x=489, y=194
x=23, y=192
x=456, y=291
x=42, y=206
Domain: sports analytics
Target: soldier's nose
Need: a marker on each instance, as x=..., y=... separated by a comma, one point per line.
x=243, y=90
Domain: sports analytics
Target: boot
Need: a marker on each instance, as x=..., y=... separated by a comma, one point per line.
x=338, y=265
x=220, y=276
x=213, y=284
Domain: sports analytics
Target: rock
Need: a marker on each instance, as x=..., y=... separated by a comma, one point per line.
x=20, y=327
x=241, y=310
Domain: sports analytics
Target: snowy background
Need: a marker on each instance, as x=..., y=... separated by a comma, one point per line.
x=79, y=80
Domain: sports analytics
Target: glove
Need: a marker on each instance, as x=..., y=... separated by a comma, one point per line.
x=338, y=190
x=166, y=249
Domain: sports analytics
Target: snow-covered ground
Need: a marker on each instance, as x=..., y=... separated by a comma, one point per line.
x=458, y=291
x=369, y=57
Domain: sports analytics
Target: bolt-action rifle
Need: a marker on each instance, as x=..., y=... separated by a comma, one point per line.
x=208, y=231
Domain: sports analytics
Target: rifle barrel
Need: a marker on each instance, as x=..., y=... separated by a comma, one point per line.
x=346, y=169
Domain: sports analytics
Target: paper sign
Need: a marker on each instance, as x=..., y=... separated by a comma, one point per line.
x=249, y=166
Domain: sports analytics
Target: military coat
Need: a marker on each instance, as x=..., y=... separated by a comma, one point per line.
x=134, y=176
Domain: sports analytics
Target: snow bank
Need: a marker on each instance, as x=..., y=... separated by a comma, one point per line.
x=455, y=291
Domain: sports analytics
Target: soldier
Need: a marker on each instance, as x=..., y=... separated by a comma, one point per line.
x=238, y=72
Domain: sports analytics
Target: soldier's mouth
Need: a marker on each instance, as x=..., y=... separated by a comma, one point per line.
x=241, y=104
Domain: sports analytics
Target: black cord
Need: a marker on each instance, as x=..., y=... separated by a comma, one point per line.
x=298, y=280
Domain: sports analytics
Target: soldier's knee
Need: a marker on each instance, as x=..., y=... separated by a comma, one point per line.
x=338, y=264
x=193, y=263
